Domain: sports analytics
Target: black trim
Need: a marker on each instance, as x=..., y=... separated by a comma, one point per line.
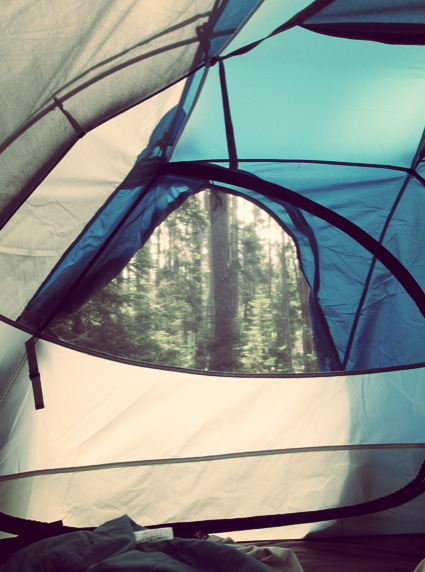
x=244, y=179
x=409, y=170
x=30, y=528
x=314, y=161
x=412, y=490
x=297, y=20
x=407, y=34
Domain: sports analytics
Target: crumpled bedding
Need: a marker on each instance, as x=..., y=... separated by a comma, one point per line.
x=113, y=547
x=276, y=558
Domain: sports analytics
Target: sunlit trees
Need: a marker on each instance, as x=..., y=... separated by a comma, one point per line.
x=217, y=287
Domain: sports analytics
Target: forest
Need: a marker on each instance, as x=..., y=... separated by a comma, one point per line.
x=216, y=288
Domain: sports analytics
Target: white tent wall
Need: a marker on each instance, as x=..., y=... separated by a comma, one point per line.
x=167, y=446
x=12, y=363
x=32, y=242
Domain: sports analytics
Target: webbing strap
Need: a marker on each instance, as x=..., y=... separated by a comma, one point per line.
x=34, y=373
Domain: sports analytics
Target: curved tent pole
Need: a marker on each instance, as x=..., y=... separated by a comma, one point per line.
x=206, y=171
x=409, y=492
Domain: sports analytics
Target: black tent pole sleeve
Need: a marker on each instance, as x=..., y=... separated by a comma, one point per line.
x=35, y=530
x=402, y=34
x=413, y=489
x=297, y=20
x=32, y=530
x=34, y=373
x=214, y=173
x=230, y=135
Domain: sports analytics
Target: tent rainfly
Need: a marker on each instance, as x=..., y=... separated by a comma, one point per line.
x=115, y=116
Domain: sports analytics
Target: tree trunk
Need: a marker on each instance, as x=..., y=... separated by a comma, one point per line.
x=308, y=349
x=223, y=288
x=199, y=305
x=286, y=337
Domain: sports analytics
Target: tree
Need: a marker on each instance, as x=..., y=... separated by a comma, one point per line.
x=284, y=354
x=223, y=283
x=256, y=354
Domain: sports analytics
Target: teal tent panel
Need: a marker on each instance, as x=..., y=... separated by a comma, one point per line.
x=355, y=101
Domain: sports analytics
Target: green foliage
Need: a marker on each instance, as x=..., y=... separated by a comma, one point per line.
x=257, y=349
x=160, y=309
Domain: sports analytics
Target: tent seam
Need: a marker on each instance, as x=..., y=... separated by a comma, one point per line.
x=209, y=458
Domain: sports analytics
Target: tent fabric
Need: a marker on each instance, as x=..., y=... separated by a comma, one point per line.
x=173, y=447
x=343, y=344
x=386, y=145
x=94, y=74
x=30, y=246
x=317, y=117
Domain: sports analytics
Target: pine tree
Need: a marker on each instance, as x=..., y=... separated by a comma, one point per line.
x=256, y=354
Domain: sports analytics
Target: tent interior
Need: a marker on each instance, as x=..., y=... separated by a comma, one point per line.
x=212, y=298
